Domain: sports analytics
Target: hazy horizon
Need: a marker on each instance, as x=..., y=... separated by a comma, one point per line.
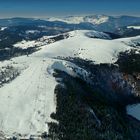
x=45, y=17
x=55, y=8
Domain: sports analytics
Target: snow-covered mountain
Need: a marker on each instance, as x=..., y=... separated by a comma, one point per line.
x=28, y=99
x=24, y=44
x=28, y=84
x=99, y=22
x=96, y=22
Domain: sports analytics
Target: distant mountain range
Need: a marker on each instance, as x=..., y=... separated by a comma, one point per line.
x=13, y=30
x=96, y=22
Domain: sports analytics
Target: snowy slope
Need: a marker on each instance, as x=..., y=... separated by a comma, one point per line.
x=34, y=43
x=70, y=20
x=133, y=41
x=27, y=102
x=134, y=27
x=3, y=28
x=45, y=40
x=80, y=45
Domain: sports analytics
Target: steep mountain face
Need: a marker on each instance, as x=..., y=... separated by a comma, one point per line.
x=72, y=85
x=99, y=110
x=129, y=63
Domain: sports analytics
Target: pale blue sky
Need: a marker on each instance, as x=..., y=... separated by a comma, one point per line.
x=45, y=8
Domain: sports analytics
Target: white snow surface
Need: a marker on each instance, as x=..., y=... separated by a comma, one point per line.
x=133, y=41
x=80, y=45
x=98, y=20
x=134, y=110
x=34, y=43
x=95, y=20
x=25, y=44
x=70, y=20
x=134, y=27
x=32, y=31
x=27, y=102
x=3, y=28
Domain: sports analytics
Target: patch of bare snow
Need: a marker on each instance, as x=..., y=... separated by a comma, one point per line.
x=134, y=110
x=3, y=28
x=134, y=27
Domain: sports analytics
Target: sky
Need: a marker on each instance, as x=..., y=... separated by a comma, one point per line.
x=49, y=8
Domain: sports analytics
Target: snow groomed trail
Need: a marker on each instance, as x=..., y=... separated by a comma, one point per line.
x=27, y=102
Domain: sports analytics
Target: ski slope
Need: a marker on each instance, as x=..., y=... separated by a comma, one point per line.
x=27, y=102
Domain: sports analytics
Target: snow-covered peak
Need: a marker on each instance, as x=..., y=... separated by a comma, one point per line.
x=50, y=39
x=98, y=19
x=70, y=20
